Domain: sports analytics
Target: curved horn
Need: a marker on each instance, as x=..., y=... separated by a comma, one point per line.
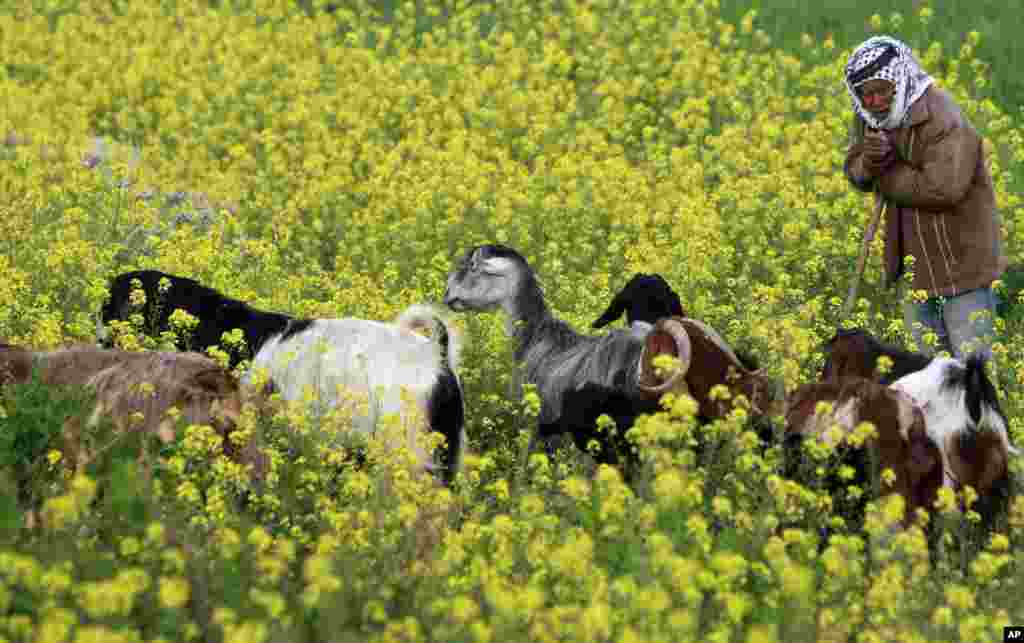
x=649, y=382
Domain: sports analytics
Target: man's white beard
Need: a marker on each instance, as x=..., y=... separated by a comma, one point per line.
x=893, y=118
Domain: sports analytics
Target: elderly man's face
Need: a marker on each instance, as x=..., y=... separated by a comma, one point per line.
x=876, y=94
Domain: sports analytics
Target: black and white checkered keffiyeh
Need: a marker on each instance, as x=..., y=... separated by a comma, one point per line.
x=888, y=58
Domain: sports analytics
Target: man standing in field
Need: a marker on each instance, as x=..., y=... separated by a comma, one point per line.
x=912, y=146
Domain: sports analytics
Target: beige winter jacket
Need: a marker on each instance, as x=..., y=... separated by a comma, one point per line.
x=941, y=205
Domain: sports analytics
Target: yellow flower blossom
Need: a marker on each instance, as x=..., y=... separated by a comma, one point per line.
x=174, y=592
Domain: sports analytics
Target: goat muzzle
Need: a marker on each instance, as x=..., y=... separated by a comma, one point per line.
x=452, y=302
x=668, y=337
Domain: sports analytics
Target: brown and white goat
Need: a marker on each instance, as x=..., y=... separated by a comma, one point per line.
x=901, y=441
x=136, y=391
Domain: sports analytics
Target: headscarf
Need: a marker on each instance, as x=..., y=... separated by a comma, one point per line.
x=887, y=58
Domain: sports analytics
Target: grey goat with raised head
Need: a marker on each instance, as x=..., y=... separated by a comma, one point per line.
x=578, y=377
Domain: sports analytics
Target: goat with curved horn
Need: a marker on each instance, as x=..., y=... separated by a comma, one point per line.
x=668, y=337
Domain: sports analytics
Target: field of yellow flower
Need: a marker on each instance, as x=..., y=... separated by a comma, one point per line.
x=331, y=162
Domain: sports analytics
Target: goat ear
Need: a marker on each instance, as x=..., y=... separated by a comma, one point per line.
x=215, y=381
x=613, y=312
x=974, y=391
x=677, y=306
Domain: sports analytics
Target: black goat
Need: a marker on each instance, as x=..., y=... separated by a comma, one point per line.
x=644, y=299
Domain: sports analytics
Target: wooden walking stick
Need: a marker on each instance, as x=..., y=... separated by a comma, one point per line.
x=865, y=248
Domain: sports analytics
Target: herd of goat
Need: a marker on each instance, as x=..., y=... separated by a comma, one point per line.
x=938, y=420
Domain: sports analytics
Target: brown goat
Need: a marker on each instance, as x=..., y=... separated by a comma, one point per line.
x=901, y=443
x=136, y=390
x=15, y=364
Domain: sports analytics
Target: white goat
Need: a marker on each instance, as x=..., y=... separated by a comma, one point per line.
x=386, y=366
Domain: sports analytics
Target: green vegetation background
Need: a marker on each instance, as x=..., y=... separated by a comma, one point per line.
x=848, y=22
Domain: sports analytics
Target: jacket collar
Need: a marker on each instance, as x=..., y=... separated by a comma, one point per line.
x=919, y=111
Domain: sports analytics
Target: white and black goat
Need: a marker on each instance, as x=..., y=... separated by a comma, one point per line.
x=964, y=418
x=644, y=299
x=376, y=361
x=216, y=313
x=578, y=377
x=376, y=369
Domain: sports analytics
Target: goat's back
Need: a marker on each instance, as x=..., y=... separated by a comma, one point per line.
x=216, y=313
x=855, y=353
x=136, y=390
x=152, y=383
x=373, y=372
x=714, y=363
x=75, y=365
x=355, y=354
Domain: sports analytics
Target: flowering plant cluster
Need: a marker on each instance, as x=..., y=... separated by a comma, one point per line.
x=332, y=160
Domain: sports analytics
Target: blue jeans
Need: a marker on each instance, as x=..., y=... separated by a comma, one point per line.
x=963, y=323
